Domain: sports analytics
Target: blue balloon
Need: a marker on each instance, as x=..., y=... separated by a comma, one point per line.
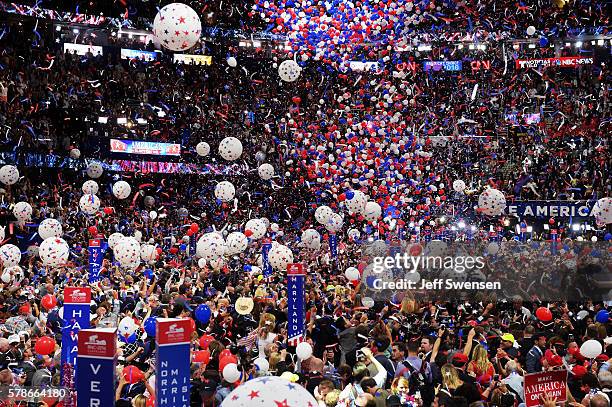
x=602, y=316
x=183, y=247
x=132, y=338
x=608, y=237
x=350, y=194
x=202, y=313
x=150, y=325
x=148, y=273
x=543, y=41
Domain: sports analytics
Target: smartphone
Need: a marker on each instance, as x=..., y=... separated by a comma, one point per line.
x=495, y=377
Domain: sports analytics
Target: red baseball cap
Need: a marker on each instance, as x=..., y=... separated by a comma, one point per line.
x=460, y=358
x=579, y=371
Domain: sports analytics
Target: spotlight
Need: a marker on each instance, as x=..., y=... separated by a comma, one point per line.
x=58, y=28
x=576, y=227
x=75, y=30
x=600, y=42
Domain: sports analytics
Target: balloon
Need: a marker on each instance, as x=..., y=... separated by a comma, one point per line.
x=2, y=233
x=203, y=149
x=531, y=30
x=602, y=316
x=89, y=204
x=177, y=27
x=194, y=227
x=205, y=340
x=289, y=70
x=492, y=202
x=148, y=252
x=591, y=349
x=311, y=239
x=280, y=256
x=231, y=373
x=127, y=327
x=230, y=148
x=121, y=190
x=271, y=391
x=226, y=360
x=372, y=211
x=231, y=61
x=49, y=228
x=261, y=364
x=149, y=201
x=153, y=215
x=323, y=214
x=459, y=185
x=201, y=356
x=92, y=230
x=75, y=153
x=9, y=174
x=114, y=239
x=352, y=274
x=44, y=345
x=334, y=224
x=602, y=211
x=355, y=201
x=265, y=171
x=48, y=301
x=150, y=325
x=54, y=251
x=202, y=263
x=236, y=243
x=543, y=41
x=210, y=246
x=127, y=252
x=225, y=191
x=132, y=374
x=22, y=211
x=10, y=255
x=544, y=314
x=90, y=187
x=94, y=170
x=202, y=313
x=303, y=350
x=257, y=228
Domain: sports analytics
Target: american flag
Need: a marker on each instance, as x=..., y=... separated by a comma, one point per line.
x=295, y=340
x=249, y=341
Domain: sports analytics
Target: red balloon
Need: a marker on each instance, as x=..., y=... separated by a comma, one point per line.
x=248, y=233
x=174, y=250
x=48, y=301
x=159, y=250
x=132, y=374
x=205, y=340
x=189, y=232
x=544, y=314
x=226, y=361
x=108, y=210
x=93, y=230
x=194, y=227
x=44, y=345
x=201, y=356
x=193, y=324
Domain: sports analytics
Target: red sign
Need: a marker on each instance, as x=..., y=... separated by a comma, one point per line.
x=295, y=269
x=77, y=295
x=538, y=385
x=94, y=242
x=100, y=343
x=173, y=330
x=484, y=65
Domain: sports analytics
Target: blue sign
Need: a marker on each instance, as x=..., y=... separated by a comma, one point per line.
x=265, y=262
x=551, y=209
x=76, y=317
x=442, y=65
x=97, y=248
x=172, y=385
x=96, y=364
x=296, y=316
x=192, y=245
x=333, y=245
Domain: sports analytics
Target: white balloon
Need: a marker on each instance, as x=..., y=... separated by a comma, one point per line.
x=231, y=61
x=225, y=191
x=22, y=211
x=138, y=236
x=280, y=256
x=121, y=189
x=90, y=187
x=9, y=174
x=531, y=30
x=261, y=364
x=356, y=204
x=493, y=248
x=202, y=263
x=353, y=234
x=153, y=215
x=54, y=251
x=257, y=227
x=10, y=255
x=289, y=70
x=602, y=211
x=114, y=239
x=458, y=185
x=265, y=171
x=6, y=277
x=94, y=170
x=352, y=274
x=210, y=246
x=75, y=153
x=203, y=149
x=236, y=243
x=591, y=349
x=177, y=27
x=492, y=202
x=230, y=148
x=323, y=214
x=334, y=224
x=50, y=228
x=311, y=239
x=148, y=252
x=127, y=327
x=372, y=211
x=303, y=350
x=231, y=373
x=270, y=390
x=127, y=252
x=89, y=204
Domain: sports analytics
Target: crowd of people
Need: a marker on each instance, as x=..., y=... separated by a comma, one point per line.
x=399, y=133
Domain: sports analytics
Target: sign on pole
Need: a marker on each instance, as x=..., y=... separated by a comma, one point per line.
x=76, y=317
x=96, y=362
x=172, y=385
x=296, y=315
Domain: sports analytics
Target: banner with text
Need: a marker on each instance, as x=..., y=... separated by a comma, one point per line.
x=76, y=317
x=538, y=385
x=172, y=385
x=296, y=315
x=96, y=362
x=144, y=147
x=556, y=209
x=97, y=248
x=563, y=62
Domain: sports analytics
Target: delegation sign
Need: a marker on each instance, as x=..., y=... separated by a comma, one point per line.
x=538, y=385
x=172, y=384
x=96, y=363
